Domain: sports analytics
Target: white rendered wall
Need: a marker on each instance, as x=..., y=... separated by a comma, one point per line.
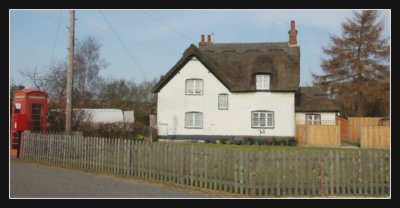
x=173, y=103
x=326, y=117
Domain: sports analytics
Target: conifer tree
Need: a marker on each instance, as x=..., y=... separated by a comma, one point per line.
x=356, y=67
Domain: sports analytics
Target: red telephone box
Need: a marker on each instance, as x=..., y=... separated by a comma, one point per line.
x=29, y=112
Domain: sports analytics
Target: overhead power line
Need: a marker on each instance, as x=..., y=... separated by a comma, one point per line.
x=123, y=45
x=169, y=26
x=55, y=41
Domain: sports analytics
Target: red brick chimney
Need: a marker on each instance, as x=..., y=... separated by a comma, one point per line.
x=203, y=43
x=292, y=34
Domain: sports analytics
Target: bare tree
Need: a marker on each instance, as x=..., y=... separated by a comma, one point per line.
x=34, y=77
x=88, y=63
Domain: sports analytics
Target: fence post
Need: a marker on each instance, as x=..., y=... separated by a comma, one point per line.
x=252, y=170
x=241, y=172
x=191, y=165
x=296, y=183
x=236, y=174
x=387, y=166
x=322, y=175
x=278, y=175
x=206, y=169
x=360, y=180
x=331, y=175
x=266, y=172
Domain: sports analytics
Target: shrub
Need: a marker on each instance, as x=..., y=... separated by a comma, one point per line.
x=154, y=134
x=223, y=139
x=238, y=142
x=249, y=140
x=260, y=142
x=139, y=137
x=273, y=141
x=292, y=142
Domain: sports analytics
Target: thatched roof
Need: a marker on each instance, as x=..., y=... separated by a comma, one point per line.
x=314, y=99
x=236, y=64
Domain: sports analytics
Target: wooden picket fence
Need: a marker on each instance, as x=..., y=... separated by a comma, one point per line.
x=255, y=173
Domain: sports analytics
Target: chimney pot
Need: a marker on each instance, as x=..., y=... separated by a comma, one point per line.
x=202, y=38
x=209, y=39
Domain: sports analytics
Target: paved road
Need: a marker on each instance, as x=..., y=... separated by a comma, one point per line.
x=32, y=181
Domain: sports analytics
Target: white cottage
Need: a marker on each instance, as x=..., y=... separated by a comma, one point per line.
x=231, y=89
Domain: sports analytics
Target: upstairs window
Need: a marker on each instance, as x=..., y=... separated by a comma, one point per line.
x=194, y=87
x=194, y=120
x=262, y=81
x=223, y=101
x=262, y=119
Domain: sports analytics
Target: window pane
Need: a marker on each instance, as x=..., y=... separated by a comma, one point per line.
x=262, y=81
x=262, y=119
x=266, y=82
x=258, y=82
x=189, y=86
x=222, y=101
x=188, y=119
x=198, y=86
x=270, y=119
x=198, y=120
x=194, y=120
x=313, y=118
x=255, y=121
x=317, y=119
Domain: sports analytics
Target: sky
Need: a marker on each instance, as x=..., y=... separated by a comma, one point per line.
x=145, y=44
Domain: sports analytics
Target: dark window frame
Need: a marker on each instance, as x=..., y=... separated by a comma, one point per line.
x=227, y=101
x=194, y=94
x=193, y=127
x=266, y=119
x=312, y=121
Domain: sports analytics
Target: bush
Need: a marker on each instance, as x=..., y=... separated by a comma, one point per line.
x=107, y=130
x=139, y=137
x=209, y=141
x=249, y=140
x=260, y=142
x=292, y=142
x=154, y=134
x=223, y=139
x=238, y=142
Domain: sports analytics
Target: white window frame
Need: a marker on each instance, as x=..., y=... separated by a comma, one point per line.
x=194, y=120
x=263, y=81
x=221, y=104
x=313, y=118
x=262, y=119
x=197, y=86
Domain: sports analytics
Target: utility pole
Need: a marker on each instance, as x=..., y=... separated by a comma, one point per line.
x=68, y=109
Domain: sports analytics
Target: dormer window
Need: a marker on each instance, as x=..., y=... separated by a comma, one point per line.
x=194, y=87
x=262, y=81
